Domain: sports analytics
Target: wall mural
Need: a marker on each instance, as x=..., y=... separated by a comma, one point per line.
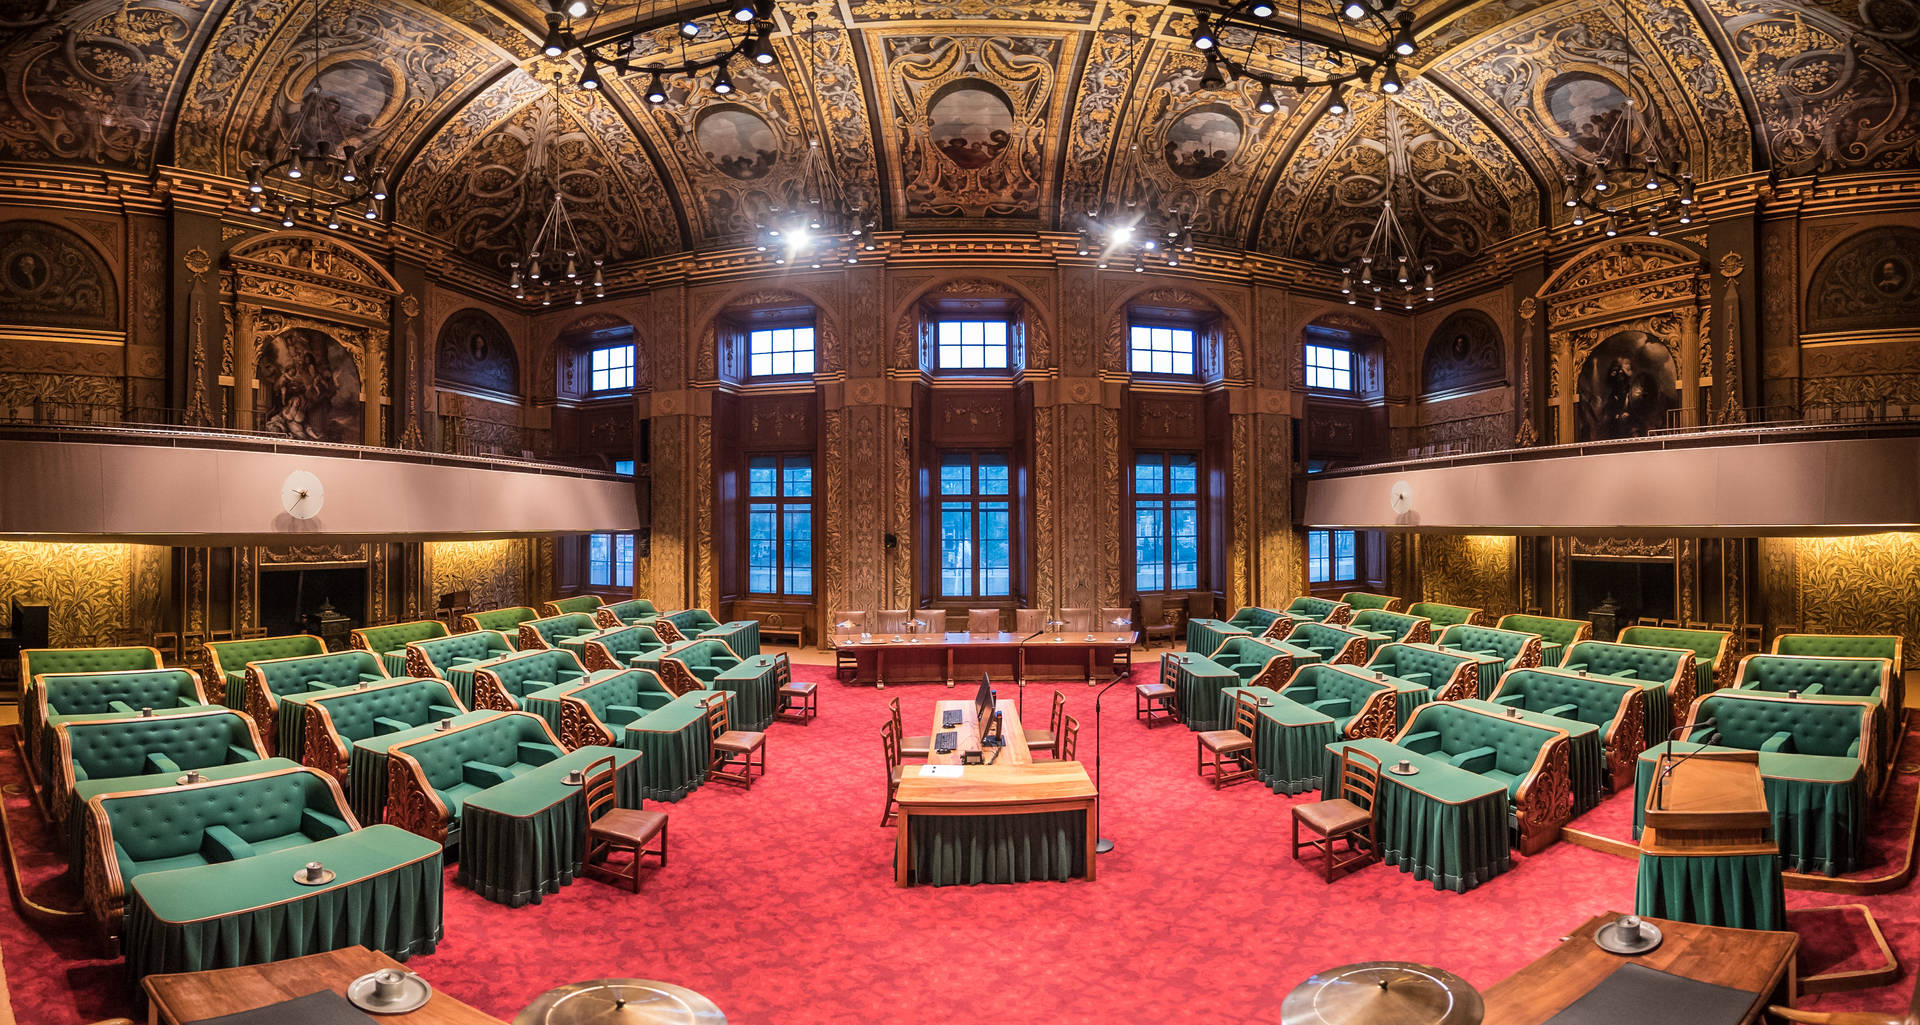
x=496, y=572
x=51, y=277
x=474, y=350
x=1202, y=142
x=1870, y=281
x=972, y=115
x=308, y=381
x=1626, y=386
x=738, y=142
x=1463, y=352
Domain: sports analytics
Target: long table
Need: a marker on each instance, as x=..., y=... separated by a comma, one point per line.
x=957, y=655
x=189, y=997
x=1443, y=824
x=1011, y=821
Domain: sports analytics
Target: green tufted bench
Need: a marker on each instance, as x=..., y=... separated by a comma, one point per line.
x=1307, y=608
x=1617, y=707
x=506, y=621
x=331, y=723
x=1556, y=635
x=1359, y=705
x=501, y=684
x=1255, y=620
x=620, y=647
x=1450, y=674
x=103, y=750
x=230, y=658
x=1712, y=649
x=1666, y=674
x=430, y=776
x=210, y=823
x=598, y=711
x=1888, y=646
x=583, y=603
x=1396, y=626
x=1259, y=663
x=72, y=697
x=635, y=711
x=1444, y=616
x=564, y=630
x=1813, y=766
x=1865, y=681
x=390, y=642
x=268, y=681
x=1360, y=601
x=625, y=613
x=1530, y=760
x=452, y=658
x=740, y=635
x=35, y=662
x=694, y=665
x=1334, y=644
x=1514, y=649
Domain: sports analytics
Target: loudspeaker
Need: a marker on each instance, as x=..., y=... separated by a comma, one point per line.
x=30, y=624
x=889, y=542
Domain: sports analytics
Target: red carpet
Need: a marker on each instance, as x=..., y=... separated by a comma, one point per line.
x=779, y=903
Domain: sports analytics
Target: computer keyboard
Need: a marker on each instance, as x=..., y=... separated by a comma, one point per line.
x=952, y=717
x=946, y=742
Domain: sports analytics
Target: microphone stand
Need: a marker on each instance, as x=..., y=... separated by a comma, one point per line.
x=1667, y=764
x=1102, y=845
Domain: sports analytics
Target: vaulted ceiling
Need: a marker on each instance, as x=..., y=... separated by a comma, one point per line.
x=1069, y=104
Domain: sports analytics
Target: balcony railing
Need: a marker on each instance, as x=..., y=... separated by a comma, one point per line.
x=467, y=436
x=1681, y=421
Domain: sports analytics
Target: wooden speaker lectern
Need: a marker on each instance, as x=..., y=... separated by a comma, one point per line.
x=1711, y=804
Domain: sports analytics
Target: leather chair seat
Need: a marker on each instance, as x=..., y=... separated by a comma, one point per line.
x=915, y=747
x=631, y=823
x=1153, y=690
x=739, y=740
x=1040, y=739
x=1331, y=817
x=1226, y=741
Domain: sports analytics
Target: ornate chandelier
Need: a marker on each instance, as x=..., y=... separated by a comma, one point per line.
x=1250, y=39
x=820, y=223
x=554, y=259
x=1388, y=260
x=1629, y=183
x=304, y=158
x=1132, y=237
x=745, y=25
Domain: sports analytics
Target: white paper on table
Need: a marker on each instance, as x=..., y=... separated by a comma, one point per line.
x=941, y=771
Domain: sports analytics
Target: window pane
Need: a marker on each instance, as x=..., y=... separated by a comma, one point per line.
x=1183, y=474
x=956, y=474
x=1160, y=350
x=1184, y=542
x=1319, y=561
x=623, y=560
x=760, y=477
x=1329, y=367
x=971, y=344
x=779, y=351
x=1149, y=546
x=798, y=524
x=600, y=559
x=763, y=548
x=797, y=478
x=1343, y=555
x=993, y=473
x=996, y=565
x=956, y=549
x=1149, y=475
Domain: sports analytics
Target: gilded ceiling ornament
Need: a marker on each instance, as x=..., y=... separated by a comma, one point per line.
x=971, y=116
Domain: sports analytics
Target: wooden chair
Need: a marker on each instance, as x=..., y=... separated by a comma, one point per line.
x=1234, y=745
x=910, y=747
x=935, y=620
x=799, y=699
x=891, y=621
x=1118, y=621
x=1048, y=740
x=1157, y=702
x=1076, y=621
x=1155, y=620
x=1069, y=739
x=1029, y=621
x=1788, y=1014
x=733, y=749
x=1342, y=817
x=890, y=746
x=847, y=628
x=983, y=621
x=611, y=829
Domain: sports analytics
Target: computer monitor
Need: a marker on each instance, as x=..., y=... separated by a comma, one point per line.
x=983, y=703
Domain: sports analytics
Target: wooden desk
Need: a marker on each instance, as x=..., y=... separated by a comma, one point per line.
x=1074, y=656
x=935, y=658
x=191, y=996
x=1013, y=785
x=1761, y=962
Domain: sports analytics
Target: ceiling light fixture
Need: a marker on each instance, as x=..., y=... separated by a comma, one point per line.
x=1629, y=172
x=1244, y=39
x=746, y=28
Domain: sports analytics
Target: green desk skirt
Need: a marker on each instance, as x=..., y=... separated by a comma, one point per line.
x=1408, y=697
x=83, y=791
x=523, y=839
x=1490, y=670
x=1198, y=682
x=367, y=766
x=395, y=662
x=236, y=689
x=462, y=679
x=1818, y=803
x=1204, y=636
x=1551, y=652
x=951, y=850
x=1289, y=739
x=742, y=635
x=1445, y=824
x=290, y=723
x=676, y=745
x=1737, y=892
x=755, y=686
x=1659, y=708
x=1586, y=755
x=386, y=897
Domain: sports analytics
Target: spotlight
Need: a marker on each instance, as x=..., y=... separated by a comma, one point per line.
x=1579, y=218
x=578, y=298
x=372, y=212
x=1612, y=229
x=579, y=8
x=286, y=216
x=1686, y=216
x=1600, y=182
x=1261, y=9
x=293, y=167
x=1337, y=102
x=689, y=28
x=1653, y=226
x=761, y=52
x=1390, y=82
x=589, y=76
x=598, y=280
x=656, y=90
x=380, y=184
x=1202, y=35
x=722, y=82
x=1186, y=242
x=1652, y=181
x=1346, y=281
x=333, y=219
x=742, y=11
x=1267, y=104
x=253, y=205
x=1214, y=78
x=1120, y=234
x=1426, y=284
x=1686, y=190
x=555, y=44
x=1403, y=40
x=1354, y=10
x=255, y=182
x=350, y=173
x=1569, y=198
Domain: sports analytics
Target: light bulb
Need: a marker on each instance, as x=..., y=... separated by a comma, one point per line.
x=555, y=43
x=761, y=52
x=656, y=90
x=1337, y=101
x=1354, y=10
x=1267, y=104
x=255, y=181
x=589, y=76
x=1261, y=9
x=380, y=184
x=722, y=82
x=1390, y=82
x=373, y=210
x=1403, y=40
x=579, y=8
x=1202, y=35
x=293, y=167
x=742, y=11
x=689, y=28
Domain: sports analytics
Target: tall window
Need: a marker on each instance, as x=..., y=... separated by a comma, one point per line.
x=610, y=560
x=610, y=368
x=971, y=344
x=780, y=525
x=1155, y=349
x=1166, y=521
x=623, y=467
x=1329, y=367
x=1332, y=556
x=976, y=525
x=777, y=351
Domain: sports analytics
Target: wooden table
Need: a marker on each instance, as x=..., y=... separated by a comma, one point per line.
x=191, y=996
x=935, y=658
x=1760, y=962
x=1074, y=656
x=1013, y=785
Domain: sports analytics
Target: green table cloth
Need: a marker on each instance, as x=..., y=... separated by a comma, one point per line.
x=677, y=746
x=951, y=850
x=1586, y=754
x=545, y=703
x=386, y=896
x=742, y=635
x=1198, y=681
x=755, y=686
x=1736, y=891
x=1819, y=806
x=235, y=689
x=1550, y=652
x=1289, y=739
x=395, y=662
x=367, y=766
x=461, y=676
x=1204, y=636
x=1444, y=824
x=1490, y=667
x=523, y=839
x=290, y=722
x=84, y=790
x=1409, y=693
x=1374, y=640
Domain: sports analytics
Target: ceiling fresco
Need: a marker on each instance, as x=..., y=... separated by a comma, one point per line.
x=977, y=115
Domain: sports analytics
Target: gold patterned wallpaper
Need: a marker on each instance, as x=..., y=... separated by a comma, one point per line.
x=101, y=594
x=499, y=573
x=1475, y=570
x=1867, y=584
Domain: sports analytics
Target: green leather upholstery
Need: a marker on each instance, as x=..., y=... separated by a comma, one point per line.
x=1332, y=643
x=1361, y=601
x=551, y=630
x=335, y=721
x=1446, y=615
x=1515, y=649
x=438, y=772
x=500, y=684
x=620, y=647
x=1531, y=760
x=1558, y=633
x=393, y=638
x=35, y=661
x=1632, y=661
x=230, y=659
x=434, y=657
x=693, y=665
x=1452, y=676
x=1713, y=651
x=92, y=750
x=1866, y=680
x=1887, y=646
x=1259, y=663
x=268, y=680
x=1617, y=707
x=1359, y=705
x=1754, y=722
x=606, y=706
x=506, y=621
x=1319, y=610
x=625, y=613
x=583, y=603
x=1253, y=619
x=1397, y=626
x=68, y=697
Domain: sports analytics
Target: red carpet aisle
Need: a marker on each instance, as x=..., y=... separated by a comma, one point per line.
x=779, y=904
